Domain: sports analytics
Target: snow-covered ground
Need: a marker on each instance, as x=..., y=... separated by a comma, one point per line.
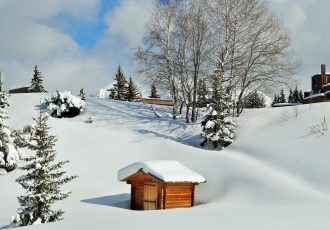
x=274, y=176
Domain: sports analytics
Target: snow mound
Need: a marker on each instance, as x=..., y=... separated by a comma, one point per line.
x=166, y=170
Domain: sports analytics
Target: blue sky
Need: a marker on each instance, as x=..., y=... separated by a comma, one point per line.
x=76, y=44
x=79, y=43
x=87, y=33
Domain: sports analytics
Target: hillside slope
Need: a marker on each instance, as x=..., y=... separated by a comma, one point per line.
x=274, y=176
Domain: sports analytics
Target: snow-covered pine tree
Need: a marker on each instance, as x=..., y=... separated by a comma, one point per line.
x=43, y=180
x=133, y=93
x=37, y=81
x=301, y=96
x=120, y=88
x=254, y=100
x=290, y=97
x=295, y=95
x=10, y=154
x=275, y=100
x=82, y=95
x=153, y=91
x=217, y=127
x=282, y=98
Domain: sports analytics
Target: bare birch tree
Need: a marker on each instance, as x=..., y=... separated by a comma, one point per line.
x=253, y=46
x=156, y=56
x=192, y=50
x=240, y=42
x=268, y=60
x=200, y=45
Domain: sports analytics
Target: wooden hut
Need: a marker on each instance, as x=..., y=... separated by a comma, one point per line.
x=24, y=89
x=320, y=88
x=160, y=184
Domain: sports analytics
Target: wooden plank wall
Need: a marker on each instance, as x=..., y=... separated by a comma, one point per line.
x=317, y=99
x=150, y=196
x=137, y=192
x=168, y=195
x=137, y=197
x=179, y=195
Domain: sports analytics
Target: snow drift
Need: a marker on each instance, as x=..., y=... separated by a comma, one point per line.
x=274, y=175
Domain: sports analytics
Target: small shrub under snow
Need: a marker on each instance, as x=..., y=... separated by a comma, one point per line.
x=64, y=104
x=320, y=128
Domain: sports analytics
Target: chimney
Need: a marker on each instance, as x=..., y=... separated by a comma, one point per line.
x=323, y=69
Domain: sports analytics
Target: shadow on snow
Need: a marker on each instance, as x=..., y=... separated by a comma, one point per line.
x=118, y=201
x=140, y=118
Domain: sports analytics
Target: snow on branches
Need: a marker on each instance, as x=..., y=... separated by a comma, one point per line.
x=42, y=181
x=10, y=154
x=218, y=128
x=64, y=104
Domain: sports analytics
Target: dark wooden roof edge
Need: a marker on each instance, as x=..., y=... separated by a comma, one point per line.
x=141, y=171
x=319, y=74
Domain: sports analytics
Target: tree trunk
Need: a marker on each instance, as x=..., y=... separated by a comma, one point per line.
x=187, y=113
x=188, y=108
x=239, y=106
x=175, y=98
x=193, y=111
x=181, y=106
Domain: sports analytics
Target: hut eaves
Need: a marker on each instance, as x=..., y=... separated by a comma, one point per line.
x=164, y=170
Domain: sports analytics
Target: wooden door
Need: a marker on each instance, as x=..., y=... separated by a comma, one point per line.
x=150, y=196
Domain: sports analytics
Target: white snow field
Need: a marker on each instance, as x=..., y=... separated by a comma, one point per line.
x=274, y=176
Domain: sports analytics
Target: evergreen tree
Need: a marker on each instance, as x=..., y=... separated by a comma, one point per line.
x=295, y=96
x=9, y=152
x=217, y=90
x=153, y=92
x=82, y=95
x=43, y=180
x=282, y=97
x=202, y=94
x=254, y=100
x=290, y=98
x=133, y=93
x=120, y=88
x=217, y=126
x=37, y=81
x=275, y=100
x=301, y=96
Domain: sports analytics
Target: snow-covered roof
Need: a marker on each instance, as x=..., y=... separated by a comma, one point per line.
x=285, y=104
x=315, y=95
x=165, y=170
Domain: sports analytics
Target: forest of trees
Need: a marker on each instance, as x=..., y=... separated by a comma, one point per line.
x=295, y=96
x=254, y=100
